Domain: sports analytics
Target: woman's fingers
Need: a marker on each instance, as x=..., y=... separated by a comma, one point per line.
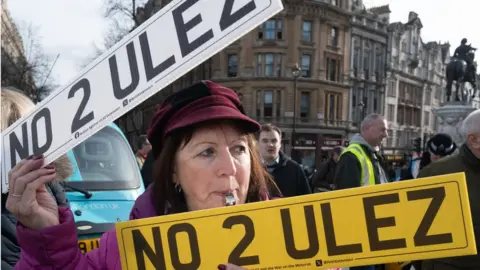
x=22, y=181
x=229, y=266
x=30, y=192
x=25, y=167
x=12, y=173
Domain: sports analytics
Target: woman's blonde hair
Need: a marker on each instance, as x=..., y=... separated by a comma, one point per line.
x=14, y=105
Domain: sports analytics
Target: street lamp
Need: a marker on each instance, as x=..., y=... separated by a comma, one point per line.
x=296, y=73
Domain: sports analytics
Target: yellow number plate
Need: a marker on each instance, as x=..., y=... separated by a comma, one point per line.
x=88, y=244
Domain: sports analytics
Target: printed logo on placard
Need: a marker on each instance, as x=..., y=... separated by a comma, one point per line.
x=125, y=102
x=319, y=263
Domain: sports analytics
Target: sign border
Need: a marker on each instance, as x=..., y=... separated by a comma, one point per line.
x=462, y=200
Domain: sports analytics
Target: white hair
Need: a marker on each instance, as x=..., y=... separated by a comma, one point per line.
x=471, y=124
x=371, y=118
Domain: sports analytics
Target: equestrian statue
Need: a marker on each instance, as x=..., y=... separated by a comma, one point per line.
x=462, y=69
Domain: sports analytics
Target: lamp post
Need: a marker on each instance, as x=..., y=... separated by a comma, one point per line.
x=296, y=73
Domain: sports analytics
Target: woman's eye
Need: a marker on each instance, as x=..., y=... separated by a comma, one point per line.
x=240, y=149
x=207, y=152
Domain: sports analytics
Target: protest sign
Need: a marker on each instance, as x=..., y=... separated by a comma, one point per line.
x=176, y=39
x=403, y=221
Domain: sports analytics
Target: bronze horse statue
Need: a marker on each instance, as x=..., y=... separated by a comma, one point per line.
x=459, y=71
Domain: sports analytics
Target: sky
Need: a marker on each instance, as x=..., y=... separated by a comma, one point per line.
x=72, y=28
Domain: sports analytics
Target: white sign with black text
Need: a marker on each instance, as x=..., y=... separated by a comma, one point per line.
x=176, y=39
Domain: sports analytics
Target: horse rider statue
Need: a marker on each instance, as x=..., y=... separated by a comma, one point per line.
x=466, y=52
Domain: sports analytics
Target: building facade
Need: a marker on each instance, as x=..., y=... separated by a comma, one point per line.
x=368, y=62
x=312, y=107
x=415, y=83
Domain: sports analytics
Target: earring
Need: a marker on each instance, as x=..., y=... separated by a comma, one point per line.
x=178, y=188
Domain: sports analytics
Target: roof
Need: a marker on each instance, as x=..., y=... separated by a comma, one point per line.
x=380, y=9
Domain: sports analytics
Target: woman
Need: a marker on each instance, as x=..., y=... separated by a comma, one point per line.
x=203, y=148
x=14, y=106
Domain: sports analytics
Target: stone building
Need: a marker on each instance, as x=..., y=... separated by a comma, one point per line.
x=312, y=107
x=368, y=61
x=416, y=83
x=13, y=61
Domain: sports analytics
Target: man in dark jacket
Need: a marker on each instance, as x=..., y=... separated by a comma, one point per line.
x=324, y=179
x=10, y=246
x=348, y=172
x=147, y=170
x=466, y=160
x=288, y=174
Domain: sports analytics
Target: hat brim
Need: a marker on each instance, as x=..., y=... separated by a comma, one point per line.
x=446, y=153
x=210, y=113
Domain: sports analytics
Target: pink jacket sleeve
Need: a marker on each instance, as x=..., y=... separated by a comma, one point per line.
x=57, y=247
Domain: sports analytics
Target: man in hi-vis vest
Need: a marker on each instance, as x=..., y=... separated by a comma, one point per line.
x=360, y=164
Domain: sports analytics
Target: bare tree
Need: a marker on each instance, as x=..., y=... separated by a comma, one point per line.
x=124, y=16
x=31, y=71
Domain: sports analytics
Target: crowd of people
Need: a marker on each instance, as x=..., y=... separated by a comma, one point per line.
x=201, y=147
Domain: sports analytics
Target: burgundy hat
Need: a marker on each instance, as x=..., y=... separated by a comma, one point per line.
x=198, y=103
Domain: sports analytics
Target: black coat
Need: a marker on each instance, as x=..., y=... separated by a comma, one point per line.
x=147, y=170
x=289, y=177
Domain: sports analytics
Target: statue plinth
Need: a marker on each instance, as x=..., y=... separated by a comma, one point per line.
x=450, y=118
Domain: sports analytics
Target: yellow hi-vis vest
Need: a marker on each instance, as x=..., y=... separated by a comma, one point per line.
x=368, y=174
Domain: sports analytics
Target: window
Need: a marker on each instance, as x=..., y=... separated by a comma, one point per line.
x=428, y=97
x=269, y=65
x=391, y=112
x=333, y=70
x=404, y=47
x=232, y=65
x=268, y=103
x=306, y=62
x=278, y=102
x=356, y=60
x=378, y=65
x=271, y=30
x=307, y=30
x=366, y=64
x=334, y=36
x=305, y=105
x=392, y=89
x=401, y=115
x=279, y=65
x=336, y=3
x=259, y=64
x=333, y=110
x=259, y=102
x=426, y=118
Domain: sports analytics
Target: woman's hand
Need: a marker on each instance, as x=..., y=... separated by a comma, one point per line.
x=229, y=266
x=28, y=199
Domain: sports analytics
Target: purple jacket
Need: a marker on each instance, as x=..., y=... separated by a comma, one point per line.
x=57, y=247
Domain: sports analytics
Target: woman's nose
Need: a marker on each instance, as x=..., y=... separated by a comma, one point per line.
x=226, y=164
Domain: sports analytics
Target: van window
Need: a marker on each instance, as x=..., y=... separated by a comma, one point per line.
x=104, y=161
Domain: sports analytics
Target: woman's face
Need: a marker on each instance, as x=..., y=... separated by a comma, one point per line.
x=215, y=162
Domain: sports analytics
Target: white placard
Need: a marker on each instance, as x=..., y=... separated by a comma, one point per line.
x=175, y=40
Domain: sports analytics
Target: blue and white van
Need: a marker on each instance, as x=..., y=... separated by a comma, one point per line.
x=104, y=186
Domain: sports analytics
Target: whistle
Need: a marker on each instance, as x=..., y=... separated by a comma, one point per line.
x=230, y=199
